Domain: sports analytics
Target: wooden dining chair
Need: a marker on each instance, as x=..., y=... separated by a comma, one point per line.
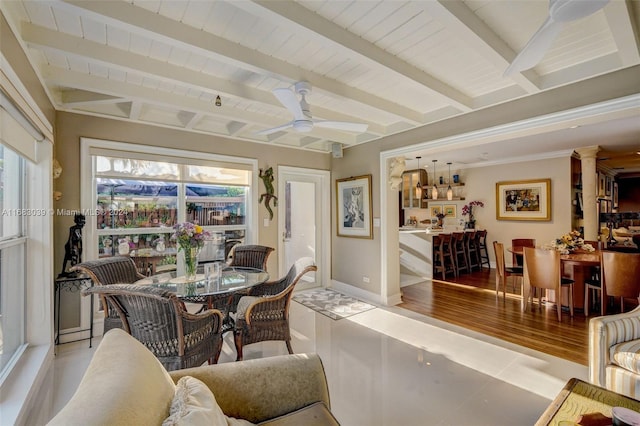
x=620, y=276
x=503, y=272
x=542, y=271
x=520, y=242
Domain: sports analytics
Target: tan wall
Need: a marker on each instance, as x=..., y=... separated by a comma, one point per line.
x=71, y=127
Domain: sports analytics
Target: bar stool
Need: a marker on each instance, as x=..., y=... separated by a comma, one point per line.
x=459, y=252
x=472, y=252
x=483, y=253
x=442, y=255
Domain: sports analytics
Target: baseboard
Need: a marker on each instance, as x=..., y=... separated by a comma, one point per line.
x=367, y=296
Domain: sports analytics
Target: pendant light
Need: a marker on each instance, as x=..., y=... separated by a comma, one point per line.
x=419, y=184
x=449, y=190
x=434, y=190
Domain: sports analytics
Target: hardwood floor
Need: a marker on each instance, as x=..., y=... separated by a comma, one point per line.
x=470, y=301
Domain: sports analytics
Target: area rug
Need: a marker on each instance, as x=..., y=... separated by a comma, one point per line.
x=331, y=303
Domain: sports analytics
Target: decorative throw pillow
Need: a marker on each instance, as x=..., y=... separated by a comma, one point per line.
x=194, y=404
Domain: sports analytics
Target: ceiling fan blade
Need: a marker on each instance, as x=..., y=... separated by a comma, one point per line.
x=290, y=101
x=572, y=10
x=342, y=125
x=536, y=47
x=275, y=129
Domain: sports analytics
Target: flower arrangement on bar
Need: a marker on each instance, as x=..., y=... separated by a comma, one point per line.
x=570, y=242
x=467, y=209
x=440, y=217
x=190, y=239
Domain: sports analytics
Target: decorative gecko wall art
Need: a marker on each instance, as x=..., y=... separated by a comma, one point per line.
x=267, y=178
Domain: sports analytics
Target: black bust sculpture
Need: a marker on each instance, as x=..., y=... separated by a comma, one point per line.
x=73, y=246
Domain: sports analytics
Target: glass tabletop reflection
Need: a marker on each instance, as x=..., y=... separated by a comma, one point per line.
x=231, y=279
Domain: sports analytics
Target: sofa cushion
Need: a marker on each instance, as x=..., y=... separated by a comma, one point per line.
x=194, y=404
x=313, y=415
x=106, y=395
x=627, y=355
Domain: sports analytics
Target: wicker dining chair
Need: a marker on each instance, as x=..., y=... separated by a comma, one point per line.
x=160, y=321
x=107, y=271
x=248, y=256
x=264, y=315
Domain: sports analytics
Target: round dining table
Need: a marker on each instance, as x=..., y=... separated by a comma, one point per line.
x=210, y=292
x=576, y=266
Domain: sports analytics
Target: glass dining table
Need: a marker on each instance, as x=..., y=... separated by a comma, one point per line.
x=210, y=292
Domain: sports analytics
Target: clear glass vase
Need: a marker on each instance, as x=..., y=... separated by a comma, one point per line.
x=190, y=262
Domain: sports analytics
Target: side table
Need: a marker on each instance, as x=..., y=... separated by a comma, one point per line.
x=578, y=398
x=72, y=284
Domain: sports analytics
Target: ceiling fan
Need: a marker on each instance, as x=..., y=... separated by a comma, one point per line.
x=560, y=12
x=302, y=119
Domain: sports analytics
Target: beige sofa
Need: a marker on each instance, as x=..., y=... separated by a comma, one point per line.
x=126, y=385
x=614, y=352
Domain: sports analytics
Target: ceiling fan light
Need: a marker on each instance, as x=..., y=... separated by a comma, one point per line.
x=303, y=125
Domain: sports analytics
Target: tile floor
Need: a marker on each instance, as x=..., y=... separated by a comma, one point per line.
x=390, y=366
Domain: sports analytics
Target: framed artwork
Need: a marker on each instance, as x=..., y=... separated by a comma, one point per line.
x=607, y=186
x=353, y=207
x=601, y=184
x=523, y=200
x=450, y=210
x=615, y=195
x=435, y=210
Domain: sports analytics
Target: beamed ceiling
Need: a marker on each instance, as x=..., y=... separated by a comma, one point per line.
x=393, y=65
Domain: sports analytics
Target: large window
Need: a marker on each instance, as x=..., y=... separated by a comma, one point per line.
x=139, y=197
x=12, y=255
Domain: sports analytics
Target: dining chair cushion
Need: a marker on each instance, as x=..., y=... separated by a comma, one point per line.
x=244, y=303
x=627, y=355
x=194, y=404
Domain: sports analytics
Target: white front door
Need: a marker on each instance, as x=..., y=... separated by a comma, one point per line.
x=304, y=222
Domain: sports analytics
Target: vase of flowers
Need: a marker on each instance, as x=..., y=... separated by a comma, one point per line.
x=440, y=217
x=467, y=210
x=190, y=239
x=569, y=243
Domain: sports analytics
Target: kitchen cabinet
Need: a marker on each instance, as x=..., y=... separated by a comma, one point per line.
x=410, y=180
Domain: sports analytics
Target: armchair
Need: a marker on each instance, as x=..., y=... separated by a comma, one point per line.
x=264, y=315
x=160, y=321
x=614, y=351
x=107, y=271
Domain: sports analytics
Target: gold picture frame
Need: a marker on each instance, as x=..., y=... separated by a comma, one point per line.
x=435, y=210
x=450, y=210
x=524, y=200
x=354, y=207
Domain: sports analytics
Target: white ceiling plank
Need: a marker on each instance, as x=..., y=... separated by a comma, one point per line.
x=619, y=17
x=78, y=97
x=135, y=110
x=140, y=20
x=68, y=23
x=45, y=38
x=86, y=82
x=465, y=24
x=303, y=18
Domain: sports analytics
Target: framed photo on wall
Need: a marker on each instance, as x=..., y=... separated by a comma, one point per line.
x=523, y=200
x=435, y=210
x=450, y=210
x=354, y=207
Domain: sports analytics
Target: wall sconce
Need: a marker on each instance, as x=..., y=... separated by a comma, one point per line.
x=434, y=190
x=218, y=101
x=449, y=190
x=419, y=184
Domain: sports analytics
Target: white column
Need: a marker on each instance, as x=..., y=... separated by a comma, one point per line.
x=589, y=189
